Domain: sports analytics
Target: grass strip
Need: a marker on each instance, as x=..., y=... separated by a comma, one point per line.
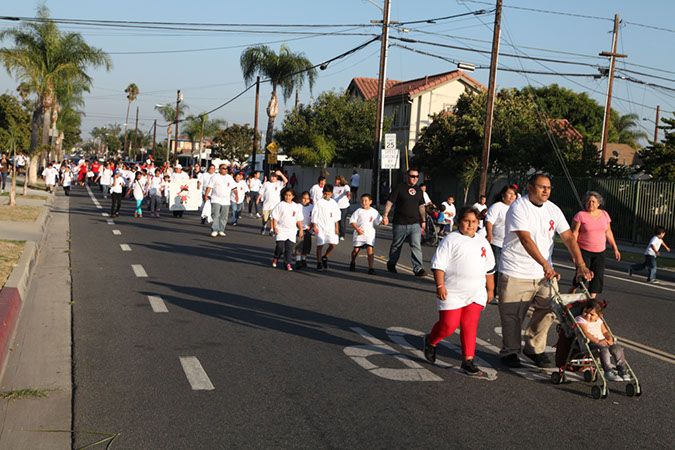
x=10, y=252
x=20, y=213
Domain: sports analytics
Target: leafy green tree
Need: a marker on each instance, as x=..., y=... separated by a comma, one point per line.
x=285, y=69
x=14, y=120
x=168, y=113
x=626, y=127
x=200, y=127
x=658, y=160
x=234, y=143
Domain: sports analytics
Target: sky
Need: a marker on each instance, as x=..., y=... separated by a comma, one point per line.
x=204, y=65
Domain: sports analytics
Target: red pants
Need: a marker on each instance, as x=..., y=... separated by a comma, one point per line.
x=466, y=318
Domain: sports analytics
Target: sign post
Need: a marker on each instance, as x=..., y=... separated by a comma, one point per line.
x=272, y=153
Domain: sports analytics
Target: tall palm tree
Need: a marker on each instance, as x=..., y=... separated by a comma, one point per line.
x=286, y=69
x=132, y=92
x=168, y=113
x=43, y=57
x=627, y=128
x=201, y=127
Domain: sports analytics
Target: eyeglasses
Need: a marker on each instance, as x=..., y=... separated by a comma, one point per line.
x=414, y=176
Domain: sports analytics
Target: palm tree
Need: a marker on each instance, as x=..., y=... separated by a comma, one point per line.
x=132, y=92
x=626, y=127
x=287, y=70
x=168, y=113
x=42, y=58
x=201, y=127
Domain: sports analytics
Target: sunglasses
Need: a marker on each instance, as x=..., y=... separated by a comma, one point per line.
x=414, y=176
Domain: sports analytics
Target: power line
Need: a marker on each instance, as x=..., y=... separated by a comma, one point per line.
x=470, y=13
x=558, y=13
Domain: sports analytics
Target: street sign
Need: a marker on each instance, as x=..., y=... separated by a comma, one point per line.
x=390, y=159
x=272, y=158
x=390, y=141
x=273, y=147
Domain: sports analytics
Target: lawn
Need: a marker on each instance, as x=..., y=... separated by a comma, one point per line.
x=29, y=197
x=20, y=213
x=10, y=251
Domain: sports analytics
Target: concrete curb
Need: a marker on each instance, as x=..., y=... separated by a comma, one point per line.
x=14, y=292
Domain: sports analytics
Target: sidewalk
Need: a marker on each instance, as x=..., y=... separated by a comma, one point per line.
x=22, y=231
x=40, y=356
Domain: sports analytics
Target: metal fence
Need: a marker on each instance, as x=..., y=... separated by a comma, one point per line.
x=636, y=207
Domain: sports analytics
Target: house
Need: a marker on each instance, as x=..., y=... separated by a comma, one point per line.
x=411, y=103
x=624, y=153
x=563, y=129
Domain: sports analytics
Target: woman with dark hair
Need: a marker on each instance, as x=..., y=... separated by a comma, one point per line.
x=495, y=221
x=592, y=230
x=463, y=268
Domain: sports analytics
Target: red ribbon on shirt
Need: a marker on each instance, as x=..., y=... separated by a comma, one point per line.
x=551, y=223
x=483, y=254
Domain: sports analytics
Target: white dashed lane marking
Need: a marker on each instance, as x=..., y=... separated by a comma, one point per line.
x=157, y=304
x=139, y=271
x=125, y=247
x=105, y=214
x=195, y=374
x=110, y=222
x=117, y=232
x=93, y=199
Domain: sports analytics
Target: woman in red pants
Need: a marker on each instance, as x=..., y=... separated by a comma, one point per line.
x=463, y=268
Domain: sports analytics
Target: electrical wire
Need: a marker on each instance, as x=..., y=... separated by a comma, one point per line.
x=470, y=13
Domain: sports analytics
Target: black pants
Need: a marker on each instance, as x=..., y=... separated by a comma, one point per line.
x=304, y=246
x=66, y=189
x=285, y=249
x=342, y=225
x=596, y=264
x=116, y=203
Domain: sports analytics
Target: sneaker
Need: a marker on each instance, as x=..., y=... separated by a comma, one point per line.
x=234, y=224
x=613, y=376
x=221, y=233
x=391, y=268
x=203, y=220
x=511, y=361
x=342, y=238
x=274, y=262
x=625, y=375
x=352, y=267
x=371, y=271
x=258, y=215
x=289, y=268
x=429, y=350
x=250, y=214
x=262, y=232
x=469, y=368
x=421, y=273
x=324, y=262
x=540, y=359
x=272, y=233
x=654, y=281
x=214, y=233
x=319, y=267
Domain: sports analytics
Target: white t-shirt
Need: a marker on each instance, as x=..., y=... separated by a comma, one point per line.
x=307, y=216
x=271, y=194
x=365, y=219
x=50, y=175
x=128, y=176
x=287, y=216
x=204, y=179
x=427, y=199
x=354, y=180
x=67, y=178
x=106, y=177
x=340, y=196
x=465, y=262
x=221, y=188
x=241, y=188
x=254, y=184
x=656, y=242
x=496, y=215
x=450, y=212
x=138, y=189
x=594, y=328
x=117, y=185
x=324, y=216
x=155, y=185
x=180, y=176
x=479, y=207
x=542, y=222
x=316, y=193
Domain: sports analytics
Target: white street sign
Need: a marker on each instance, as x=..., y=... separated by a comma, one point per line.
x=390, y=141
x=390, y=159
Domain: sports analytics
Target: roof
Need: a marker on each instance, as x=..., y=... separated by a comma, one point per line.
x=624, y=153
x=368, y=86
x=564, y=129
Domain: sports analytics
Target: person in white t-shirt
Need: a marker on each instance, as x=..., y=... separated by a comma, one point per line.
x=67, y=179
x=220, y=189
x=463, y=271
x=495, y=223
x=178, y=174
x=117, y=187
x=354, y=183
x=286, y=224
x=155, y=193
x=254, y=185
x=50, y=174
x=342, y=195
x=138, y=189
x=526, y=272
x=270, y=196
x=325, y=218
x=105, y=176
x=241, y=189
x=316, y=192
x=364, y=220
x=449, y=213
x=480, y=207
x=203, y=181
x=650, y=255
x=427, y=199
x=302, y=248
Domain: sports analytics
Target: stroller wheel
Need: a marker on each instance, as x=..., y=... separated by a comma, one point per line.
x=556, y=378
x=596, y=392
x=588, y=376
x=630, y=389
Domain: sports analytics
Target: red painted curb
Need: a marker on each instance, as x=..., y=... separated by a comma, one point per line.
x=10, y=307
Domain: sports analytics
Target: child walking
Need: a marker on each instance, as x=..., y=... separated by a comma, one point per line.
x=67, y=180
x=325, y=218
x=303, y=247
x=286, y=221
x=650, y=255
x=139, y=194
x=155, y=192
x=363, y=220
x=590, y=322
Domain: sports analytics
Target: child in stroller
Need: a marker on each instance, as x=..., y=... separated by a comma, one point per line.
x=432, y=233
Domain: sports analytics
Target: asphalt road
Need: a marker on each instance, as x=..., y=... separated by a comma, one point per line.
x=328, y=360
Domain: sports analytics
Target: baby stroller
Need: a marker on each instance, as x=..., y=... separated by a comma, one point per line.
x=573, y=352
x=431, y=232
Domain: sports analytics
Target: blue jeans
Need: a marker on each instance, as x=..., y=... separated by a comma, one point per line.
x=155, y=202
x=412, y=234
x=253, y=196
x=219, y=215
x=649, y=264
x=4, y=179
x=236, y=212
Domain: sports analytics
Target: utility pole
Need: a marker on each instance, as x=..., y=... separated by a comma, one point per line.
x=492, y=87
x=136, y=131
x=255, y=122
x=608, y=106
x=154, y=140
x=179, y=97
x=656, y=124
x=381, y=87
x=297, y=98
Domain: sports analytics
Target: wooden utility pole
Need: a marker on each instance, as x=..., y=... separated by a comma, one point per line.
x=255, y=121
x=656, y=124
x=381, y=87
x=608, y=105
x=492, y=87
x=136, y=132
x=175, y=148
x=297, y=98
x=154, y=140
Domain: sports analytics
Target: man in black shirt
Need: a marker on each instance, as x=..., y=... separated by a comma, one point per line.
x=409, y=222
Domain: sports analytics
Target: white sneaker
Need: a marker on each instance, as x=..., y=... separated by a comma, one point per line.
x=221, y=233
x=250, y=214
x=613, y=376
x=342, y=238
x=214, y=233
x=258, y=215
x=625, y=376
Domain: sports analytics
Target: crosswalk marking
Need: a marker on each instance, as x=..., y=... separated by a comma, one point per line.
x=195, y=374
x=139, y=271
x=157, y=304
x=125, y=247
x=117, y=232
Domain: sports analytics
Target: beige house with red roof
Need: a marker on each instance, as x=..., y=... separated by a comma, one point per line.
x=412, y=103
